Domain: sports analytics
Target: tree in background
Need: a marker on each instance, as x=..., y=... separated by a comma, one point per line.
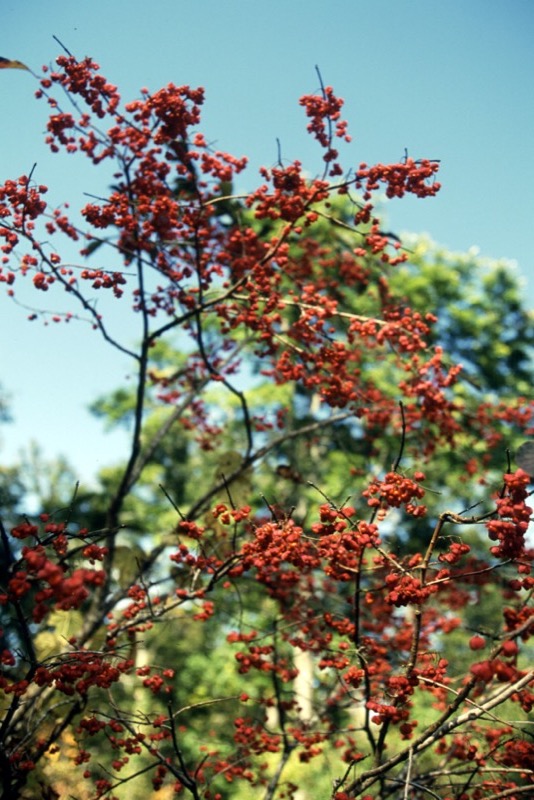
x=260, y=599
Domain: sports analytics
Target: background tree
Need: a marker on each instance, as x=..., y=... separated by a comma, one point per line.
x=271, y=576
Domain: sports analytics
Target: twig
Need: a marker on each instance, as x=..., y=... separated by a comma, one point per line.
x=443, y=726
x=60, y=43
x=171, y=501
x=28, y=179
x=408, y=774
x=398, y=460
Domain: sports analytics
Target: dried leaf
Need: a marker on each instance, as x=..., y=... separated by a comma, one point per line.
x=7, y=63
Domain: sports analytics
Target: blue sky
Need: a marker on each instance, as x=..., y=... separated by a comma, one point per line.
x=449, y=80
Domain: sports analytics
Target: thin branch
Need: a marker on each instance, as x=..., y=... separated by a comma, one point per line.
x=60, y=43
x=515, y=790
x=253, y=457
x=329, y=119
x=398, y=460
x=171, y=501
x=28, y=179
x=440, y=728
x=96, y=320
x=288, y=746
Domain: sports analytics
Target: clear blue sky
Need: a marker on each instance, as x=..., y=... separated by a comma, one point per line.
x=449, y=80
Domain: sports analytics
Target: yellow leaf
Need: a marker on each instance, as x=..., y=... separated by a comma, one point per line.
x=128, y=561
x=60, y=627
x=7, y=63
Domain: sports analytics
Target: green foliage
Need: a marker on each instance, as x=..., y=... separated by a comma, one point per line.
x=483, y=322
